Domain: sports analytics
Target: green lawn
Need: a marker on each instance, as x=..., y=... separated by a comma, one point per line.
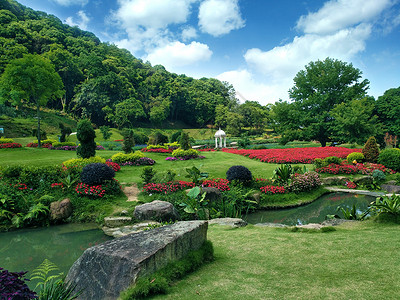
x=357, y=261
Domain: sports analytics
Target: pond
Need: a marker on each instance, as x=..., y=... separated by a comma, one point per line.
x=25, y=249
x=314, y=212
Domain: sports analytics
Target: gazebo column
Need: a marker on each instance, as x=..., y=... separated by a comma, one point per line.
x=224, y=141
x=216, y=142
x=220, y=142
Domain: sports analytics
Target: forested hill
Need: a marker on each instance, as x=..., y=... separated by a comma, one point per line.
x=105, y=83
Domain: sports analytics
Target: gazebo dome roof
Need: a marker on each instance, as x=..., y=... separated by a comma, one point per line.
x=220, y=133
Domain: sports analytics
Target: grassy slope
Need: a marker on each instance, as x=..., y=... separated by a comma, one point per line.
x=355, y=262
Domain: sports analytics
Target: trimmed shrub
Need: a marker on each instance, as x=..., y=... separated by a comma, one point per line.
x=129, y=141
x=240, y=174
x=86, y=135
x=4, y=140
x=332, y=160
x=182, y=153
x=371, y=150
x=120, y=157
x=390, y=158
x=62, y=144
x=184, y=141
x=81, y=162
x=96, y=173
x=175, y=136
x=378, y=176
x=355, y=156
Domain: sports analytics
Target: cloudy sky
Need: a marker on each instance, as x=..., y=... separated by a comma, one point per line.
x=256, y=45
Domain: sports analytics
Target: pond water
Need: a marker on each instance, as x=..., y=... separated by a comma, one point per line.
x=314, y=212
x=25, y=249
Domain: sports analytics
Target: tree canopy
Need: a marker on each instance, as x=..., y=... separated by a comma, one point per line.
x=316, y=92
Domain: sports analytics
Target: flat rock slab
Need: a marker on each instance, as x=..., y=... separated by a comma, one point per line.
x=103, y=271
x=234, y=222
x=117, y=221
x=117, y=232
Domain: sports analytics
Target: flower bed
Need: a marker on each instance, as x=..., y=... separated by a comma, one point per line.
x=346, y=168
x=293, y=155
x=271, y=189
x=10, y=145
x=169, y=187
x=143, y=161
x=157, y=150
x=187, y=157
x=67, y=148
x=219, y=183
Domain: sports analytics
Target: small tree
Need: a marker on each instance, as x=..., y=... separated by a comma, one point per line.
x=86, y=135
x=129, y=141
x=371, y=150
x=184, y=141
x=105, y=131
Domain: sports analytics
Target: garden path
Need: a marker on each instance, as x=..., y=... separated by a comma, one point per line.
x=131, y=192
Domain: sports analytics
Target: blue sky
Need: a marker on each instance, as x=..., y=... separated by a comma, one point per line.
x=256, y=45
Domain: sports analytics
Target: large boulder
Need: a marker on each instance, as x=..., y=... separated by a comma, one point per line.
x=156, y=210
x=103, y=271
x=60, y=210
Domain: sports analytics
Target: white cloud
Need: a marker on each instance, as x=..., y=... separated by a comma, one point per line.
x=177, y=54
x=82, y=22
x=248, y=88
x=219, y=17
x=189, y=33
x=146, y=22
x=339, y=14
x=287, y=60
x=71, y=2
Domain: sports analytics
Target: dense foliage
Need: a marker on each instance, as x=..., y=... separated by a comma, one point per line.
x=96, y=173
x=240, y=174
x=106, y=84
x=390, y=158
x=371, y=150
x=13, y=286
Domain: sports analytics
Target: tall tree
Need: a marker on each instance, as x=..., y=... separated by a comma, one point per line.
x=388, y=110
x=31, y=79
x=318, y=88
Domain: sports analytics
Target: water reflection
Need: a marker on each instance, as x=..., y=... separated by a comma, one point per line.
x=314, y=212
x=24, y=250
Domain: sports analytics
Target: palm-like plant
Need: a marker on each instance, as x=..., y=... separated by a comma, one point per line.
x=386, y=204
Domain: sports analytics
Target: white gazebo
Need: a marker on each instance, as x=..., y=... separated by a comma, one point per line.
x=219, y=135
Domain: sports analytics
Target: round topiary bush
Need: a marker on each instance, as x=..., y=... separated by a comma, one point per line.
x=96, y=173
x=355, y=156
x=240, y=174
x=390, y=158
x=378, y=176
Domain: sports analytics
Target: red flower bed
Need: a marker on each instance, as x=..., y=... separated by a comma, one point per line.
x=345, y=168
x=10, y=145
x=90, y=190
x=271, y=189
x=219, y=183
x=169, y=187
x=35, y=145
x=116, y=167
x=293, y=155
x=157, y=150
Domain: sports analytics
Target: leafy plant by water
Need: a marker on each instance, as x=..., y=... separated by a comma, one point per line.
x=386, y=205
x=352, y=213
x=196, y=204
x=283, y=173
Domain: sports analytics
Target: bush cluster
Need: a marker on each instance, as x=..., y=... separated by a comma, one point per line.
x=371, y=150
x=182, y=153
x=390, y=158
x=121, y=158
x=304, y=182
x=4, y=140
x=239, y=174
x=355, y=156
x=86, y=135
x=96, y=173
x=61, y=144
x=378, y=176
x=81, y=162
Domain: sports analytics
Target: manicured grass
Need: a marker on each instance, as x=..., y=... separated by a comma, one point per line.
x=357, y=261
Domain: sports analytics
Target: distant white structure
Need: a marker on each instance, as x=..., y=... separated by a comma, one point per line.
x=219, y=135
